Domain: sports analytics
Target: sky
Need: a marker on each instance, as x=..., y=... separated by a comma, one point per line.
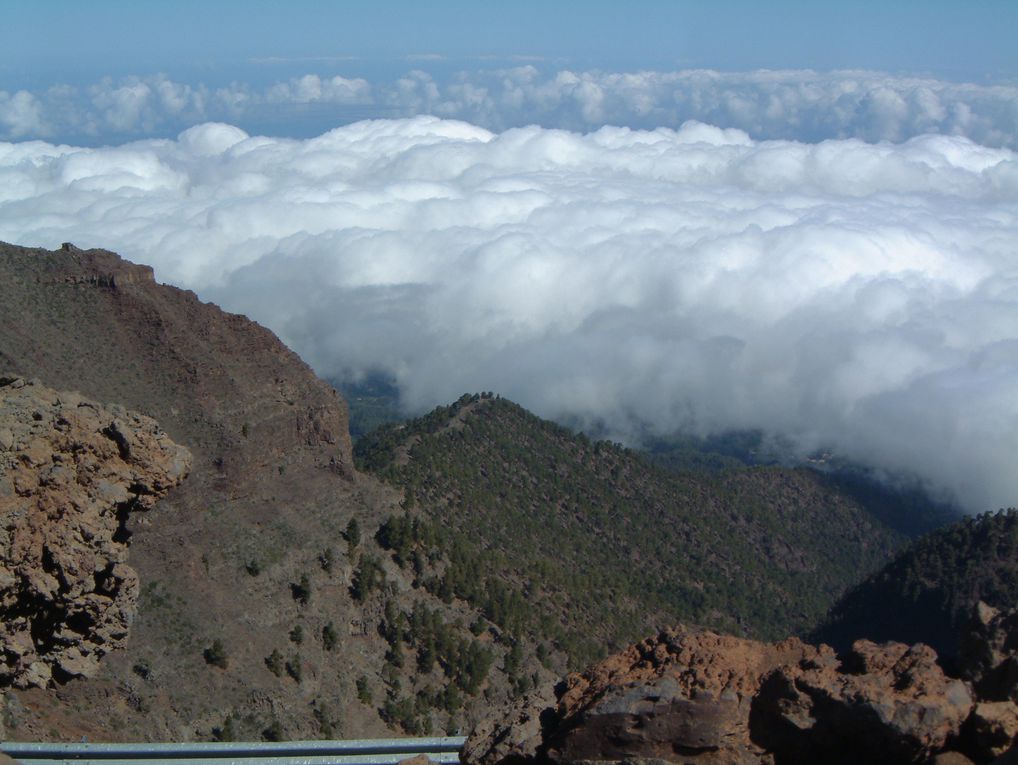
x=794, y=217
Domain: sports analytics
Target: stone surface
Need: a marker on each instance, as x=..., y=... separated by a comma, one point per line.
x=992, y=728
x=684, y=693
x=889, y=702
x=951, y=758
x=693, y=696
x=682, y=696
x=514, y=735
x=70, y=472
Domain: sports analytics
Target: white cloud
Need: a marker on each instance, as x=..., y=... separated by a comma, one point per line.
x=796, y=104
x=21, y=115
x=855, y=296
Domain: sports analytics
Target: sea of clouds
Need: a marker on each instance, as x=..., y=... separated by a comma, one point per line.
x=802, y=104
x=853, y=296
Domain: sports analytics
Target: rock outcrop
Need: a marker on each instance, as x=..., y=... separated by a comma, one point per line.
x=883, y=703
x=70, y=472
x=693, y=696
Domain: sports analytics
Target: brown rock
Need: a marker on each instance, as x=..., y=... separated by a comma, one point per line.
x=683, y=696
x=887, y=703
x=951, y=758
x=992, y=728
x=70, y=471
x=693, y=696
x=418, y=759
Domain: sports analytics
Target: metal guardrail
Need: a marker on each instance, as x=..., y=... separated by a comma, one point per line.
x=388, y=751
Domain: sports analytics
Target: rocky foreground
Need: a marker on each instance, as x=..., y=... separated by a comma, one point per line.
x=693, y=696
x=71, y=470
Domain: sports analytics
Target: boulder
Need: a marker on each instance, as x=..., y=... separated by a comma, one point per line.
x=885, y=703
x=992, y=728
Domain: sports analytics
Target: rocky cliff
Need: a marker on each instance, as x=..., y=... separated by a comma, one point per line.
x=70, y=472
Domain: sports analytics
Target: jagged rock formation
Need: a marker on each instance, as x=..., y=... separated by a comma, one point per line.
x=70, y=472
x=693, y=696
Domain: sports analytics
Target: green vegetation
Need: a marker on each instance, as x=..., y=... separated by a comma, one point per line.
x=352, y=535
x=539, y=528
x=301, y=591
x=329, y=637
x=363, y=690
x=274, y=661
x=368, y=577
x=226, y=732
x=215, y=654
x=928, y=591
x=327, y=559
x=294, y=667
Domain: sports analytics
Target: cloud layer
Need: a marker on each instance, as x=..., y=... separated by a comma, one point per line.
x=798, y=104
x=851, y=296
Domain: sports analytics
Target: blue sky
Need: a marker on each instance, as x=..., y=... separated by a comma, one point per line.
x=51, y=40
x=110, y=71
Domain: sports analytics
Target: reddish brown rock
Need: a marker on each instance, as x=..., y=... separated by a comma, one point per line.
x=693, y=696
x=683, y=696
x=685, y=693
x=70, y=471
x=886, y=703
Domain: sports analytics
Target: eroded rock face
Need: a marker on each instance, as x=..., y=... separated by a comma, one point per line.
x=889, y=702
x=685, y=693
x=70, y=472
x=693, y=696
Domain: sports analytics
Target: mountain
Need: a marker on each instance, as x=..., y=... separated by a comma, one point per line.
x=929, y=590
x=542, y=529
x=261, y=605
x=467, y=557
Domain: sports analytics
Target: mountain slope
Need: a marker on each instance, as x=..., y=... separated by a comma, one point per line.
x=929, y=590
x=248, y=624
x=577, y=525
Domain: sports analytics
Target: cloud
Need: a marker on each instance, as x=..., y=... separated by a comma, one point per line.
x=799, y=105
x=21, y=114
x=850, y=296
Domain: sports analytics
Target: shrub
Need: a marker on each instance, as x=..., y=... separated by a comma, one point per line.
x=274, y=661
x=329, y=637
x=302, y=590
x=215, y=654
x=363, y=691
x=293, y=667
